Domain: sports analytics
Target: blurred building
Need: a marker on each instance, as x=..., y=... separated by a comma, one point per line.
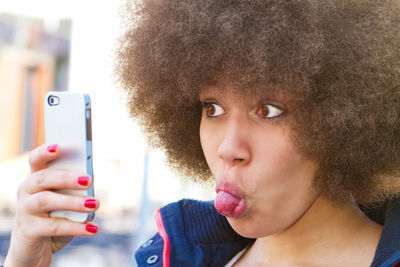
x=68, y=45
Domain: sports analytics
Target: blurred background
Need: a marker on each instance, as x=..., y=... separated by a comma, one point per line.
x=68, y=46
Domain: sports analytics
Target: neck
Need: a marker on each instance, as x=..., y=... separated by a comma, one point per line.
x=326, y=232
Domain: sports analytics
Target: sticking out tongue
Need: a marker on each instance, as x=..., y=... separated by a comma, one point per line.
x=228, y=205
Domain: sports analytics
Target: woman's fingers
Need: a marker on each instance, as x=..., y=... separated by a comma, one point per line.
x=61, y=227
x=48, y=179
x=40, y=156
x=47, y=201
x=35, y=234
x=40, y=227
x=35, y=224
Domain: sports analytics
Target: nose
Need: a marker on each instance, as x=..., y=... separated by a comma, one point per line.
x=234, y=147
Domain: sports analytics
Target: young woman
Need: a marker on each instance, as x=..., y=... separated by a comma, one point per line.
x=292, y=107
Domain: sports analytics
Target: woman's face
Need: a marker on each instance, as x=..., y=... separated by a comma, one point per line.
x=263, y=184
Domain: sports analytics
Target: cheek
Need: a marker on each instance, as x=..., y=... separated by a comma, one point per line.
x=281, y=189
x=284, y=174
x=208, y=144
x=276, y=163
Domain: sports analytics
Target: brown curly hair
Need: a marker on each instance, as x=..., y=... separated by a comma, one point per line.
x=339, y=60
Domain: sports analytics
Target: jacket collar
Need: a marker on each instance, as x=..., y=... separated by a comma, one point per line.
x=388, y=250
x=197, y=224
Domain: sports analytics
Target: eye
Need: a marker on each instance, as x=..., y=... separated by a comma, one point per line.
x=269, y=111
x=213, y=110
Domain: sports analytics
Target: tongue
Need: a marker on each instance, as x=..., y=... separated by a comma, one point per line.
x=228, y=205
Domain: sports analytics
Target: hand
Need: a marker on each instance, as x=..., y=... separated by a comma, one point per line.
x=35, y=235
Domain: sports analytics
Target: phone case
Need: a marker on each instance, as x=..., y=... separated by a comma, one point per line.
x=68, y=124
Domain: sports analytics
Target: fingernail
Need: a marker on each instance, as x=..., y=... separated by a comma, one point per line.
x=83, y=180
x=52, y=148
x=91, y=228
x=90, y=203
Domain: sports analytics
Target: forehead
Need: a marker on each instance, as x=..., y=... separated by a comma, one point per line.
x=277, y=93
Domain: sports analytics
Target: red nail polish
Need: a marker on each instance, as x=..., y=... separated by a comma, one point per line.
x=91, y=228
x=52, y=148
x=90, y=203
x=83, y=180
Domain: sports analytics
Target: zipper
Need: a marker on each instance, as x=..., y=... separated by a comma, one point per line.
x=164, y=236
x=393, y=260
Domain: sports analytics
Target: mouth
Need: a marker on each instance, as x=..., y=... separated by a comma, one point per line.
x=230, y=200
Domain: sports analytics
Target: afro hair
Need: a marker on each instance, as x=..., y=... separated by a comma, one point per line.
x=338, y=59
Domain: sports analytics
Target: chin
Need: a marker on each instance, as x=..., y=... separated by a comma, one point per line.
x=248, y=228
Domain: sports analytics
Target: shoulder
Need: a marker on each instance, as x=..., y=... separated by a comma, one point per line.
x=388, y=250
x=191, y=233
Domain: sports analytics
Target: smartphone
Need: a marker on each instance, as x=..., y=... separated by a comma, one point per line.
x=68, y=123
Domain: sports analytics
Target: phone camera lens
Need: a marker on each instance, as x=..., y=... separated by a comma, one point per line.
x=53, y=100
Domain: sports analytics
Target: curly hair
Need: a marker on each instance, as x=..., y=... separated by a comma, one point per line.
x=339, y=60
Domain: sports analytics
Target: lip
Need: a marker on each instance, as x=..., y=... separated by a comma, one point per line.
x=230, y=188
x=232, y=206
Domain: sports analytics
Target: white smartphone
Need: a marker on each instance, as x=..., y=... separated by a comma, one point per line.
x=68, y=124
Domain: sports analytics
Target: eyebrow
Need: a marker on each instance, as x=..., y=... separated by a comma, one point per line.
x=276, y=92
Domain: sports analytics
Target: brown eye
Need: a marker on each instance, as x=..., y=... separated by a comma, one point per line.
x=213, y=110
x=265, y=111
x=210, y=110
x=269, y=111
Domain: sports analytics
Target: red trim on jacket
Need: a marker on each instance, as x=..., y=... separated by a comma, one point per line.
x=164, y=236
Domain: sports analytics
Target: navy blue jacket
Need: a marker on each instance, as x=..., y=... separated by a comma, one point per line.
x=193, y=233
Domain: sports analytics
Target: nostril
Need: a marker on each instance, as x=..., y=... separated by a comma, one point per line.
x=237, y=161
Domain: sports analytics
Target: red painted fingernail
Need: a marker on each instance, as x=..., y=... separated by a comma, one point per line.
x=52, y=148
x=83, y=180
x=90, y=203
x=91, y=228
